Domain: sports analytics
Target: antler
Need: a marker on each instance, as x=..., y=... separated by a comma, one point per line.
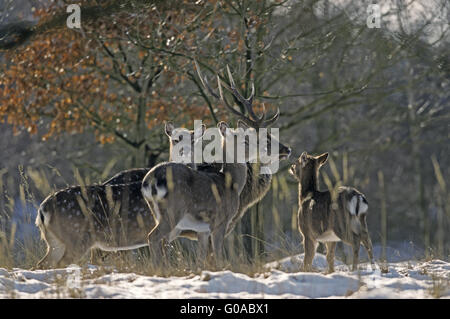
x=253, y=120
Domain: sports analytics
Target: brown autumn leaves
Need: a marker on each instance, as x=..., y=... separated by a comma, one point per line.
x=117, y=75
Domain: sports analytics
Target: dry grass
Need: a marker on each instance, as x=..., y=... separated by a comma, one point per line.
x=24, y=250
x=32, y=186
x=440, y=286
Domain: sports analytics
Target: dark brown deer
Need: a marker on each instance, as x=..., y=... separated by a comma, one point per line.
x=256, y=185
x=112, y=216
x=328, y=217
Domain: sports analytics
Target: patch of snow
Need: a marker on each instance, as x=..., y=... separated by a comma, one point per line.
x=293, y=263
x=281, y=279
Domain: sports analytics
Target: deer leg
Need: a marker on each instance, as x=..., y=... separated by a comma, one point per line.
x=310, y=246
x=97, y=256
x=44, y=262
x=365, y=238
x=331, y=246
x=204, y=246
x=217, y=245
x=157, y=240
x=51, y=258
x=367, y=243
x=76, y=254
x=55, y=251
x=355, y=245
x=157, y=252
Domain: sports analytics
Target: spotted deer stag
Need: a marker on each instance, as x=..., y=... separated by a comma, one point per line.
x=329, y=217
x=257, y=184
x=112, y=216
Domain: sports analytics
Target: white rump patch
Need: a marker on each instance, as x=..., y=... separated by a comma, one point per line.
x=352, y=205
x=188, y=222
x=328, y=236
x=362, y=206
x=161, y=192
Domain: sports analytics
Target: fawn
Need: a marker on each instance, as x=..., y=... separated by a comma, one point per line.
x=326, y=217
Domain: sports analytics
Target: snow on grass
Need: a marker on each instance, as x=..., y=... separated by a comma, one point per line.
x=280, y=280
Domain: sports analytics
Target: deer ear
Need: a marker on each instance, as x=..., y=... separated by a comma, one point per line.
x=303, y=159
x=222, y=127
x=322, y=158
x=304, y=156
x=169, y=127
x=242, y=124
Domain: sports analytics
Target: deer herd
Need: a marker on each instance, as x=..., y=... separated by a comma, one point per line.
x=199, y=201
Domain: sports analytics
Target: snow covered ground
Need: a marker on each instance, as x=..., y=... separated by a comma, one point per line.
x=281, y=280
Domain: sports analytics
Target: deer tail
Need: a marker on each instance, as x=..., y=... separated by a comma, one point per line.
x=358, y=205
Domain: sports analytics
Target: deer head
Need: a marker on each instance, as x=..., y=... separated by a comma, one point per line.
x=307, y=164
